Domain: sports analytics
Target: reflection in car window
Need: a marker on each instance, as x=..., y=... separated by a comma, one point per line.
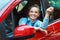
x=21, y=5
x=3, y=3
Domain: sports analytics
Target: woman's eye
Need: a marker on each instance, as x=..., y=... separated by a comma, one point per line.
x=36, y=12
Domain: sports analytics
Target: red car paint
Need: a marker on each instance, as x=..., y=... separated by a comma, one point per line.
x=23, y=30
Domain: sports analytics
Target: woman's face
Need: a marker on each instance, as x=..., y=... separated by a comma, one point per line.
x=34, y=13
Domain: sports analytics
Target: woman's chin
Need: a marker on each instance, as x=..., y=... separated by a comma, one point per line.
x=33, y=18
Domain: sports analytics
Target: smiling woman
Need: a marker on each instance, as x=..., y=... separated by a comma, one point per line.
x=33, y=14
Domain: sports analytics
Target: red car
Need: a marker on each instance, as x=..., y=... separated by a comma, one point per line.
x=12, y=10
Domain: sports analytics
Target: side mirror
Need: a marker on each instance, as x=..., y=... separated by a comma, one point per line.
x=24, y=32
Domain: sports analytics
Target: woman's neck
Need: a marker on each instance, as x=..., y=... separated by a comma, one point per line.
x=32, y=20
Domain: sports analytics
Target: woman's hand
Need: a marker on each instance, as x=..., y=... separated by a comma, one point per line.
x=42, y=30
x=49, y=11
x=45, y=31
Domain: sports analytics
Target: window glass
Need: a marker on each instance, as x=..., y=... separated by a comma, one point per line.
x=3, y=5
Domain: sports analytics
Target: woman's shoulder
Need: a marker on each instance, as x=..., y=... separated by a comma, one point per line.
x=39, y=21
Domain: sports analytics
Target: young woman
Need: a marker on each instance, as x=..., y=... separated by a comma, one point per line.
x=33, y=14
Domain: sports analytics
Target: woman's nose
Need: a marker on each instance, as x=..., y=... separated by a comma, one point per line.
x=33, y=13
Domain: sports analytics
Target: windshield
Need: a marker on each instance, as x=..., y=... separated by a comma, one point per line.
x=3, y=5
